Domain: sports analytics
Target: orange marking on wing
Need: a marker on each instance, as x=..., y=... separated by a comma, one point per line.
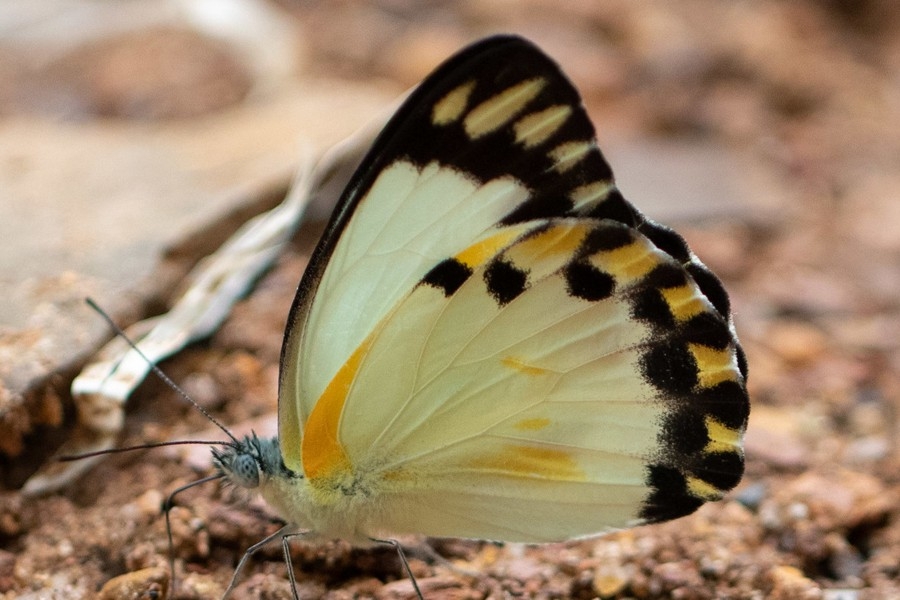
x=323, y=454
x=532, y=461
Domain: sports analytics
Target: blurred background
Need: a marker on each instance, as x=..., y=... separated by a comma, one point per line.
x=136, y=135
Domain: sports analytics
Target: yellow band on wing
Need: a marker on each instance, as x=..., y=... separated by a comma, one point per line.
x=627, y=263
x=703, y=489
x=714, y=366
x=721, y=437
x=480, y=252
x=684, y=302
x=558, y=243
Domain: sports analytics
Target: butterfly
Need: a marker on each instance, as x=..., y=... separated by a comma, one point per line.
x=490, y=342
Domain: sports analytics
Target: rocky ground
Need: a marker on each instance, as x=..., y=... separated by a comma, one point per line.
x=804, y=99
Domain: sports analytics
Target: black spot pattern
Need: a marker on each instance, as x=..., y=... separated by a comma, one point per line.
x=742, y=364
x=711, y=287
x=670, y=367
x=685, y=430
x=616, y=208
x=585, y=281
x=667, y=240
x=707, y=329
x=669, y=498
x=726, y=402
x=649, y=305
x=504, y=281
x=721, y=469
x=607, y=238
x=447, y=276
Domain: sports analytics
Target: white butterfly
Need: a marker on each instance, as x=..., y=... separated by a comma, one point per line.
x=490, y=341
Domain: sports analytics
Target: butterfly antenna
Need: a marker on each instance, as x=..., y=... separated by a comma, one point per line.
x=82, y=456
x=156, y=370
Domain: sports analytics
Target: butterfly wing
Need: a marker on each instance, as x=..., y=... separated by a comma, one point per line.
x=494, y=137
x=489, y=332
x=579, y=374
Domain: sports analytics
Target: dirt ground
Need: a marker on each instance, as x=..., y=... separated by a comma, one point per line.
x=808, y=90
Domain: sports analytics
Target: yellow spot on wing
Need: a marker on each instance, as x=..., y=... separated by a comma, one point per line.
x=703, y=490
x=626, y=263
x=450, y=107
x=522, y=367
x=714, y=366
x=721, y=438
x=532, y=424
x=480, y=252
x=532, y=461
x=537, y=127
x=683, y=302
x=559, y=241
x=323, y=454
x=495, y=112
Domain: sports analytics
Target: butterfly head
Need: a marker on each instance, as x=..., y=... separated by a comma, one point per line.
x=250, y=462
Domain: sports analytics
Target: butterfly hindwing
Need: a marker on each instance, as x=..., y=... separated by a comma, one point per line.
x=488, y=331
x=534, y=395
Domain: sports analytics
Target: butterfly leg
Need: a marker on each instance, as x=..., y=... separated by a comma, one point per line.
x=286, y=548
x=254, y=548
x=166, y=509
x=403, y=560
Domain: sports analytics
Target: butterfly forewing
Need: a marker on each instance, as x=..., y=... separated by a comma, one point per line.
x=489, y=332
x=495, y=136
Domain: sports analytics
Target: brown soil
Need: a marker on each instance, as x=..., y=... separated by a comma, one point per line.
x=809, y=90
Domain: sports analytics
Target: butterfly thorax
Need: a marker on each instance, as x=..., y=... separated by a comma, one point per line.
x=340, y=507
x=346, y=511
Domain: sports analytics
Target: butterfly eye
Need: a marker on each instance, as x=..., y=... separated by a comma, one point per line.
x=245, y=471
